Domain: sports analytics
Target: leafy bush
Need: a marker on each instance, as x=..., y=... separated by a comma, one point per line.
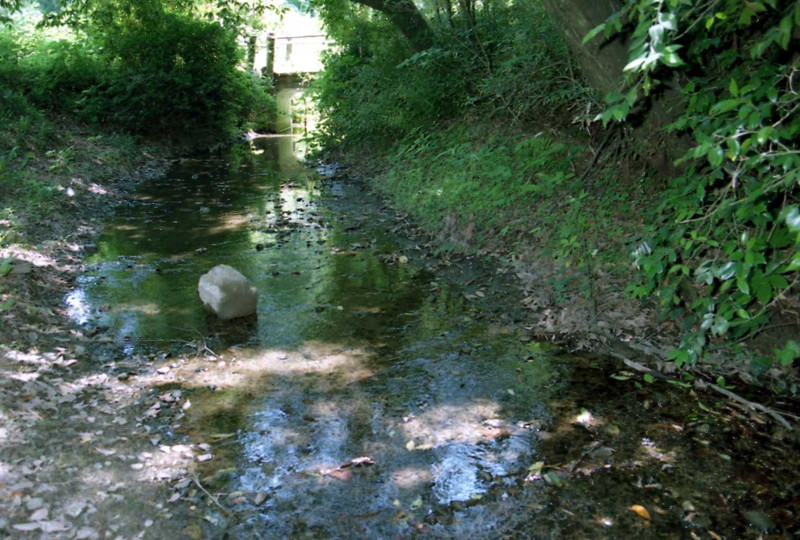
x=133, y=65
x=725, y=247
x=56, y=74
x=21, y=123
x=510, y=61
x=173, y=75
x=368, y=94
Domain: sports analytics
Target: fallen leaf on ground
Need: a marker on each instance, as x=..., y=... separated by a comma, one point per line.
x=39, y=514
x=26, y=526
x=640, y=511
x=54, y=526
x=341, y=474
x=364, y=460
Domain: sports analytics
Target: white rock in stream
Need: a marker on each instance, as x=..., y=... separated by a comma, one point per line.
x=227, y=293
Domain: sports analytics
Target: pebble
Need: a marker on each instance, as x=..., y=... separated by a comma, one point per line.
x=137, y=466
x=34, y=503
x=205, y=457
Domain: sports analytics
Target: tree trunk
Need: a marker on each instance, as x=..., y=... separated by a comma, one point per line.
x=601, y=60
x=408, y=19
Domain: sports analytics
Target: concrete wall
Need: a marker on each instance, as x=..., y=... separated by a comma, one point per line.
x=293, y=54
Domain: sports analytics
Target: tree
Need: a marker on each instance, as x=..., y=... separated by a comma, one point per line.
x=407, y=18
x=601, y=59
x=7, y=7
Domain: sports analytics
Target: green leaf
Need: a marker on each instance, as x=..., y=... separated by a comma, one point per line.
x=759, y=365
x=742, y=285
x=680, y=384
x=721, y=382
x=671, y=59
x=635, y=64
x=648, y=378
x=762, y=288
x=778, y=282
x=785, y=28
x=789, y=353
x=725, y=105
x=593, y=32
x=793, y=219
x=794, y=264
x=734, y=88
x=680, y=356
x=715, y=156
x=720, y=326
x=763, y=134
x=554, y=479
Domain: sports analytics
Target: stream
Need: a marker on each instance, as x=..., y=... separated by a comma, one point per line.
x=383, y=392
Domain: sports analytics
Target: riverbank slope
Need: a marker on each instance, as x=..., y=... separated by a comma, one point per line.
x=566, y=214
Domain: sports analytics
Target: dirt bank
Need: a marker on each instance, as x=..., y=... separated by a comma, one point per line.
x=77, y=444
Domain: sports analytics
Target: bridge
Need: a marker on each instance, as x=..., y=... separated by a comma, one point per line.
x=290, y=60
x=289, y=54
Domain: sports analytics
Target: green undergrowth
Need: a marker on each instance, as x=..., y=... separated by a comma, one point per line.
x=484, y=188
x=35, y=178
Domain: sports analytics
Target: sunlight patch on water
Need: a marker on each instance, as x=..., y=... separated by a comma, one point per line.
x=445, y=423
x=78, y=308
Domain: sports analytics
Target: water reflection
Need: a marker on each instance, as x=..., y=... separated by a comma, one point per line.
x=354, y=354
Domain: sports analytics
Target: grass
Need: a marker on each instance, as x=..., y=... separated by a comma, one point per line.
x=490, y=189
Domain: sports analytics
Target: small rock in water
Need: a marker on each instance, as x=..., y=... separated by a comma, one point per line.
x=227, y=293
x=759, y=520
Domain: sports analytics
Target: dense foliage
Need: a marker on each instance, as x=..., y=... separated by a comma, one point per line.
x=720, y=249
x=142, y=66
x=724, y=248
x=506, y=60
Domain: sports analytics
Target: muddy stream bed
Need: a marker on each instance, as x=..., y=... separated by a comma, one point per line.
x=383, y=392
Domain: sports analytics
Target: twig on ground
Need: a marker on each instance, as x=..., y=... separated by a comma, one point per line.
x=777, y=416
x=648, y=349
x=210, y=496
x=638, y=367
x=203, y=347
x=609, y=134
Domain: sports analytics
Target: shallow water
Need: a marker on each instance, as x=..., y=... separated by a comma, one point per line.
x=376, y=397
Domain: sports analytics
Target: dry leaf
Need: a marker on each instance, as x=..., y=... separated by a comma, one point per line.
x=54, y=526
x=640, y=511
x=341, y=474
x=26, y=526
x=39, y=515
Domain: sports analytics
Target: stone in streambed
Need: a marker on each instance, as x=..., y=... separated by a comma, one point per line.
x=227, y=293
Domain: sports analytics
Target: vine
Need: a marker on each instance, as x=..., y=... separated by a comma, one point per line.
x=724, y=249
